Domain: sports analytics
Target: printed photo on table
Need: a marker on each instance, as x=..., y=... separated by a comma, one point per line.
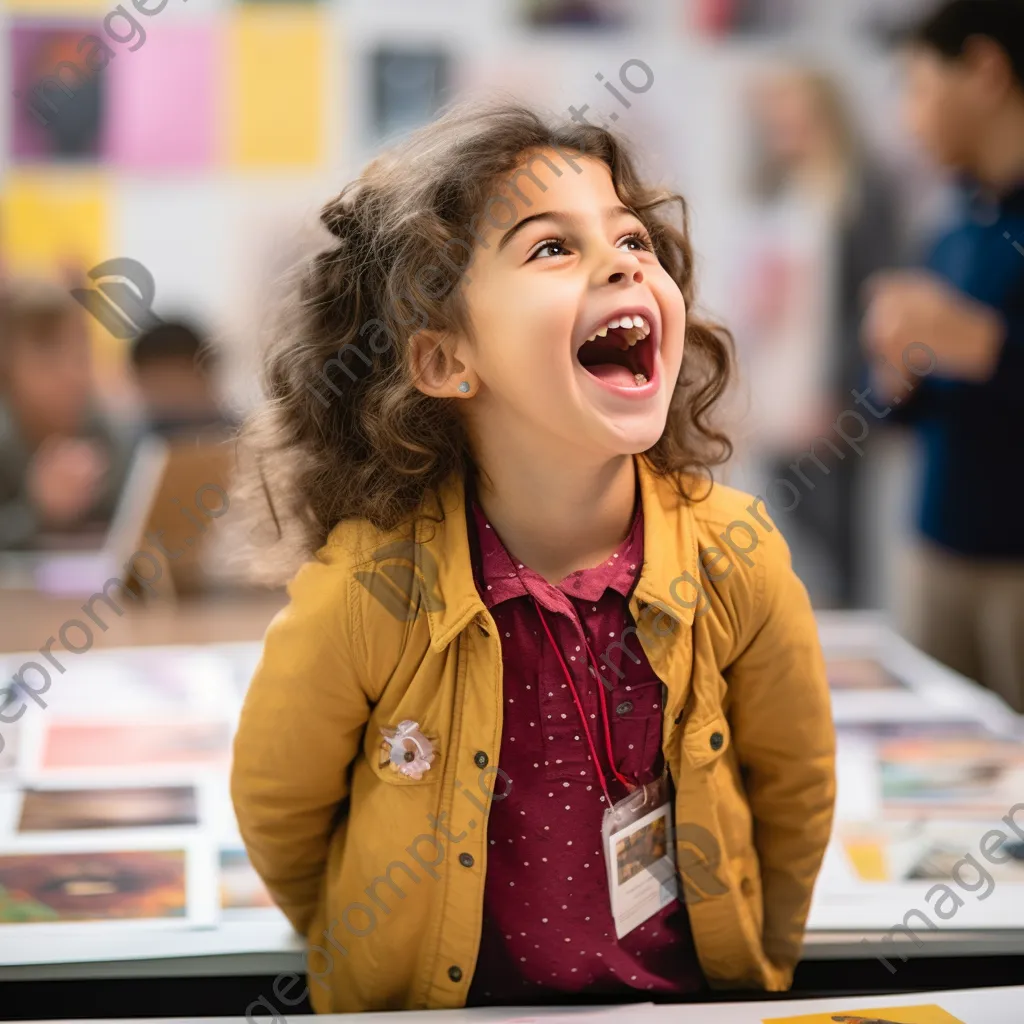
x=92, y=886
x=81, y=745
x=951, y=777
x=57, y=810
x=240, y=886
x=909, y=851
x=930, y=1014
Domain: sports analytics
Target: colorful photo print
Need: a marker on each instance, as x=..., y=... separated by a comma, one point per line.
x=914, y=851
x=951, y=777
x=98, y=886
x=57, y=110
x=240, y=886
x=58, y=810
x=721, y=18
x=641, y=849
x=409, y=87
x=930, y=1014
x=860, y=674
x=605, y=14
x=74, y=745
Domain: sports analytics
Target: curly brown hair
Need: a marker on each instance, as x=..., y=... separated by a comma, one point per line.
x=345, y=433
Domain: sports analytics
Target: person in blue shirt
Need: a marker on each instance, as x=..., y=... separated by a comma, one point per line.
x=946, y=345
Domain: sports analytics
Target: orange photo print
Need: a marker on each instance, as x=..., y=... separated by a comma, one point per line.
x=895, y=1015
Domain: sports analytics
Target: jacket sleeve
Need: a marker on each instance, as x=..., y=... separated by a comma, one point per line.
x=781, y=722
x=300, y=729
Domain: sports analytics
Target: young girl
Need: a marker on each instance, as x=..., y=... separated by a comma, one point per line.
x=505, y=744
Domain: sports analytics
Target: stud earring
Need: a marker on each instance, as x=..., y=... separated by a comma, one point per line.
x=464, y=387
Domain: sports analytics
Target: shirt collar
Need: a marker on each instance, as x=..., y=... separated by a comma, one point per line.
x=500, y=577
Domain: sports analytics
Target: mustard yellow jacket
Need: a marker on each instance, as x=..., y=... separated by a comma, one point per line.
x=385, y=874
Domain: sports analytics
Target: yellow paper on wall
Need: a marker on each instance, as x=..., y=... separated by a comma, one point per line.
x=930, y=1014
x=277, y=87
x=49, y=221
x=53, y=225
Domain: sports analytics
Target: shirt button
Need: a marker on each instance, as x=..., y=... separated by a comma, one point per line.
x=455, y=973
x=624, y=708
x=480, y=759
x=466, y=860
x=717, y=739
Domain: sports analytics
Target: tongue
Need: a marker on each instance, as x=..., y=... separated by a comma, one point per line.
x=613, y=373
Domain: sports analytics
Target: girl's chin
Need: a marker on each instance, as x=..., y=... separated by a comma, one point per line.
x=635, y=435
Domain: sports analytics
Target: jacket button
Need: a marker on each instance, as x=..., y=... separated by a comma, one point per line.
x=480, y=759
x=455, y=973
x=624, y=708
x=717, y=739
x=466, y=860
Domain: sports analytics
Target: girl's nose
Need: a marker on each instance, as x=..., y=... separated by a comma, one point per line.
x=621, y=268
x=636, y=274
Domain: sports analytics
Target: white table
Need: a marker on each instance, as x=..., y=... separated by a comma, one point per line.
x=972, y=1006
x=240, y=949
x=269, y=947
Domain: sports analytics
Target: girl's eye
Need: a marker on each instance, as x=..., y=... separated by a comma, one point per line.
x=551, y=243
x=643, y=241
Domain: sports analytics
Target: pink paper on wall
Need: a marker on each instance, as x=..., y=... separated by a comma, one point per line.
x=165, y=100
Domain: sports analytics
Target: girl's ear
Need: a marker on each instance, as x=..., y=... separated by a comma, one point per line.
x=435, y=369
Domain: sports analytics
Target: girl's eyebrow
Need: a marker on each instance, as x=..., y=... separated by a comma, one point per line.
x=558, y=215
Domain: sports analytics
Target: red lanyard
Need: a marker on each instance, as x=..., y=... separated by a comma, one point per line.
x=579, y=707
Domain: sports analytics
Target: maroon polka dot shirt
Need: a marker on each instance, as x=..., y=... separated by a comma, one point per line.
x=548, y=927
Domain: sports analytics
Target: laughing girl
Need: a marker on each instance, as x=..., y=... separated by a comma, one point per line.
x=533, y=725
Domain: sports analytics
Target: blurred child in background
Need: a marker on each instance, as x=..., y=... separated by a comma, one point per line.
x=948, y=345
x=62, y=464
x=174, y=370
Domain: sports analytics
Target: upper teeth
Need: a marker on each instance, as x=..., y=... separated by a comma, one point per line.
x=639, y=327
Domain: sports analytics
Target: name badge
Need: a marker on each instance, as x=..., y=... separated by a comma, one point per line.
x=640, y=855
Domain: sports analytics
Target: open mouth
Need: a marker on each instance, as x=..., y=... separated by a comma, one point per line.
x=621, y=351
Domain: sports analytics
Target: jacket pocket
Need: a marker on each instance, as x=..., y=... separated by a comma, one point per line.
x=410, y=756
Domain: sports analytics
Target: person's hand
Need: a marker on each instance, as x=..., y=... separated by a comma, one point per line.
x=64, y=480
x=917, y=308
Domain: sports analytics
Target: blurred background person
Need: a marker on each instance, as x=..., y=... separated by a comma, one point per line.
x=175, y=367
x=62, y=462
x=948, y=342
x=826, y=219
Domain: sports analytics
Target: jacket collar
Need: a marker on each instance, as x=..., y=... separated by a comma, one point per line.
x=670, y=552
